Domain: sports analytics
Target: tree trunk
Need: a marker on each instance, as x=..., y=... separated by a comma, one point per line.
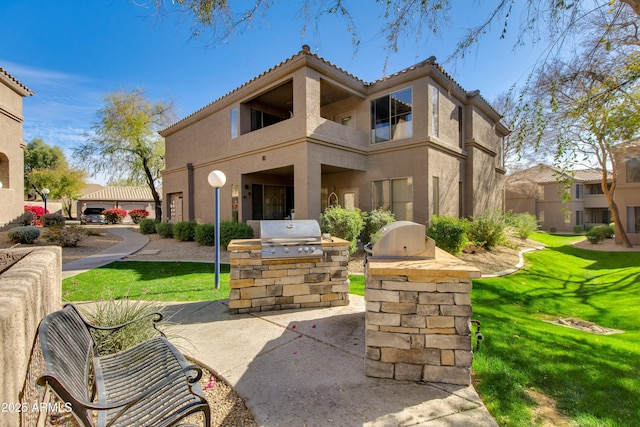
x=616, y=220
x=154, y=192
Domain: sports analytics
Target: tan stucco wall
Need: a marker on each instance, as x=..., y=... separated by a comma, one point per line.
x=29, y=290
x=11, y=157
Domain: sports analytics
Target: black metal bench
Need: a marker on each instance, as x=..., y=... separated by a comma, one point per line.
x=149, y=384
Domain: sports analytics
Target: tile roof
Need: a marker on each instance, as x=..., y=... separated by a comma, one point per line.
x=307, y=52
x=544, y=174
x=22, y=89
x=121, y=194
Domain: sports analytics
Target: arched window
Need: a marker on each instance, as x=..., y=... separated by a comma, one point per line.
x=4, y=171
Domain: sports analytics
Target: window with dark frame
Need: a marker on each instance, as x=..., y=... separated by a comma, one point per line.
x=391, y=116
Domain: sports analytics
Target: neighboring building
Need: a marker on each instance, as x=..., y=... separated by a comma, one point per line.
x=11, y=149
x=306, y=134
x=627, y=195
x=537, y=191
x=126, y=198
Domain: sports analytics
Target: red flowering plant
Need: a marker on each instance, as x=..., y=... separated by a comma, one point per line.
x=138, y=215
x=114, y=215
x=36, y=212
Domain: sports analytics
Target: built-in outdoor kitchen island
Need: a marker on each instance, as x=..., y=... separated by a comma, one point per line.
x=290, y=266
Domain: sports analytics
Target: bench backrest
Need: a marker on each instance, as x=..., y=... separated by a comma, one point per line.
x=67, y=347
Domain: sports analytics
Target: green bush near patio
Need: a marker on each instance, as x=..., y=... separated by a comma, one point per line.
x=206, y=234
x=164, y=229
x=185, y=231
x=148, y=226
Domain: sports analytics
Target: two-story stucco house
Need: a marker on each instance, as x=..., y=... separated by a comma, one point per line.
x=306, y=134
x=11, y=149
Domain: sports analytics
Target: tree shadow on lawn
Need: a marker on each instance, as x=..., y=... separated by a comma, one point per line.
x=589, y=376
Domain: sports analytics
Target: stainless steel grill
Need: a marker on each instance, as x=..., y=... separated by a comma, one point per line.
x=290, y=238
x=401, y=239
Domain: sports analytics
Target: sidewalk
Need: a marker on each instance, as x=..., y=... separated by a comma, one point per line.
x=303, y=367
x=306, y=368
x=131, y=242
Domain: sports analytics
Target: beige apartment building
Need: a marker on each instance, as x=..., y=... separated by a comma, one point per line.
x=536, y=190
x=11, y=149
x=305, y=135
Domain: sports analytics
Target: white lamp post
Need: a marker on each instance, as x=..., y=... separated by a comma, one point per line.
x=216, y=180
x=45, y=193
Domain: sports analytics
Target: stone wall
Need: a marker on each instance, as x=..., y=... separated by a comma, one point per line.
x=30, y=289
x=277, y=284
x=418, y=319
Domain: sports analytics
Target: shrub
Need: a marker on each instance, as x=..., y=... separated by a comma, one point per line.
x=52, y=220
x=112, y=312
x=578, y=229
x=148, y=226
x=230, y=230
x=598, y=234
x=205, y=234
x=552, y=230
x=607, y=230
x=450, y=234
x=487, y=230
x=67, y=237
x=24, y=234
x=184, y=231
x=344, y=223
x=164, y=229
x=114, y=215
x=138, y=215
x=594, y=237
x=523, y=223
x=28, y=218
x=374, y=221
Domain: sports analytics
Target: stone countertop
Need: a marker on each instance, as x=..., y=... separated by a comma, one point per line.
x=443, y=264
x=255, y=244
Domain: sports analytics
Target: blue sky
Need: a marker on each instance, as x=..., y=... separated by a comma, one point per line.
x=73, y=53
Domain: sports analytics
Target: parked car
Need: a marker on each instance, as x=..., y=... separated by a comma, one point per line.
x=92, y=216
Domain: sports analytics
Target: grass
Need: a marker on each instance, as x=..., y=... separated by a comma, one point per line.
x=155, y=281
x=593, y=379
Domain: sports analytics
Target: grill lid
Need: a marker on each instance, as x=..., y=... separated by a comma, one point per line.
x=278, y=231
x=402, y=239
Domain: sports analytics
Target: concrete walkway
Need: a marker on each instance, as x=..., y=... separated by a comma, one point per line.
x=303, y=367
x=131, y=242
x=306, y=368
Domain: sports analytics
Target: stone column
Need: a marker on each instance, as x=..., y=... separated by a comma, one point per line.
x=418, y=319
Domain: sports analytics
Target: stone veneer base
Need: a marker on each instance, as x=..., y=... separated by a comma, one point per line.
x=418, y=319
x=259, y=284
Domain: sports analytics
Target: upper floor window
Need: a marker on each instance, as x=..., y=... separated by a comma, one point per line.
x=633, y=170
x=391, y=116
x=435, y=106
x=233, y=120
x=579, y=191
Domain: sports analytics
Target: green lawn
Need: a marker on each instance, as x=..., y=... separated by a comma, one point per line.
x=158, y=281
x=593, y=379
